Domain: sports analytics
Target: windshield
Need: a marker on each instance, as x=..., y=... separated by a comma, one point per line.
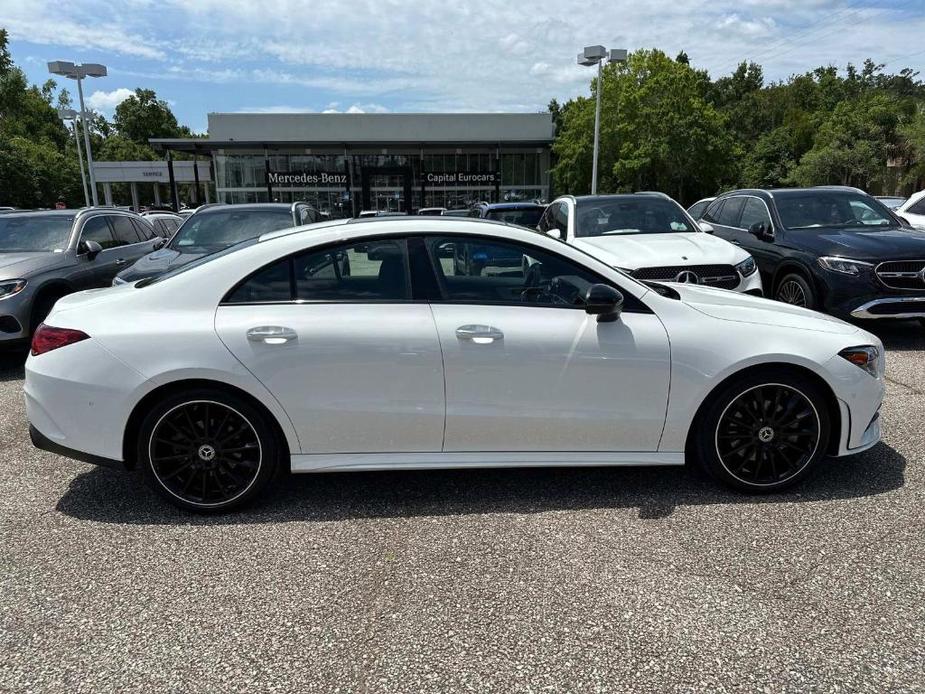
x=526, y=218
x=48, y=232
x=630, y=216
x=213, y=231
x=831, y=209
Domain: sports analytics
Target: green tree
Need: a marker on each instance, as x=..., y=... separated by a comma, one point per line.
x=143, y=116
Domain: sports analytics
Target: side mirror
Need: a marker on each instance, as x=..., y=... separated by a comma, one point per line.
x=706, y=227
x=159, y=242
x=761, y=231
x=90, y=248
x=554, y=233
x=603, y=301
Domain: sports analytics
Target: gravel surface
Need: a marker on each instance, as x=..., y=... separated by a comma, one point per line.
x=488, y=581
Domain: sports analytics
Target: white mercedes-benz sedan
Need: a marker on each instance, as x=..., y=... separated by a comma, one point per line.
x=367, y=345
x=650, y=237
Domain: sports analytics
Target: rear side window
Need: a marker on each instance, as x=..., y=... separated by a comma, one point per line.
x=124, y=230
x=754, y=212
x=713, y=211
x=560, y=218
x=98, y=229
x=729, y=216
x=145, y=229
x=376, y=270
x=918, y=207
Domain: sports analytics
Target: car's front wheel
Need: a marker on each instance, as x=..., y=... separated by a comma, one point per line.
x=795, y=290
x=207, y=450
x=764, y=432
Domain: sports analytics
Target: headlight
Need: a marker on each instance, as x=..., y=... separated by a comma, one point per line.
x=867, y=358
x=10, y=287
x=846, y=266
x=747, y=267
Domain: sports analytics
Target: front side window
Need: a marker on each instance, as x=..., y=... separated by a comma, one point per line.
x=98, y=229
x=217, y=229
x=145, y=229
x=917, y=207
x=485, y=271
x=754, y=212
x=375, y=270
x=34, y=232
x=124, y=231
x=632, y=215
x=696, y=210
x=560, y=218
x=831, y=208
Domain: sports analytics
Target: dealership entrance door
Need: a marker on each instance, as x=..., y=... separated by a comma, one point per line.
x=387, y=189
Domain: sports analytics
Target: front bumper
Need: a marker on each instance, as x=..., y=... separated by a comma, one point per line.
x=14, y=317
x=895, y=307
x=859, y=398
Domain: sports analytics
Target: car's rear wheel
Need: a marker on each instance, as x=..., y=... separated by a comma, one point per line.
x=207, y=450
x=794, y=289
x=765, y=432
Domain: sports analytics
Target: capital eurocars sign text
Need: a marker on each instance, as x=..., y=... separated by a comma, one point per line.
x=452, y=178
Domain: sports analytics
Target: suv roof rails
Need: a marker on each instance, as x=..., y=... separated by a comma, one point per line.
x=654, y=193
x=834, y=187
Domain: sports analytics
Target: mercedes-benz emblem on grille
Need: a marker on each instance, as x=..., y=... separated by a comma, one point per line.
x=687, y=277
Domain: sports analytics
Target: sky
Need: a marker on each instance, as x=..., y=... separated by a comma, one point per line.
x=205, y=56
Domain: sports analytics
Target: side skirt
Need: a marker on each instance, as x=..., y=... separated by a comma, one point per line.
x=338, y=462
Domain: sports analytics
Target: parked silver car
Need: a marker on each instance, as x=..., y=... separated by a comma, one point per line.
x=46, y=255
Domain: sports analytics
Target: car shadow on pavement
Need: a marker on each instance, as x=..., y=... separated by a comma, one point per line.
x=110, y=496
x=900, y=336
x=12, y=365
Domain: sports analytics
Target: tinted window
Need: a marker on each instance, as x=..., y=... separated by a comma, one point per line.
x=34, y=232
x=216, y=229
x=97, y=229
x=308, y=215
x=714, y=211
x=525, y=218
x=696, y=210
x=729, y=215
x=372, y=271
x=124, y=230
x=918, y=207
x=560, y=218
x=630, y=215
x=831, y=208
x=486, y=271
x=754, y=212
x=145, y=229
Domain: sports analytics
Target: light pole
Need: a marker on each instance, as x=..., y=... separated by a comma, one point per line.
x=597, y=55
x=78, y=72
x=69, y=114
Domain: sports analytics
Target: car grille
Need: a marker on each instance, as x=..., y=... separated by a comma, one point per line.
x=722, y=276
x=902, y=274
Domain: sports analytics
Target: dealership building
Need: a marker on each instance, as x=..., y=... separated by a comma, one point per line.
x=344, y=163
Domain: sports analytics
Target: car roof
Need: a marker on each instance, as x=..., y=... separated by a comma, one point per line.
x=54, y=213
x=249, y=206
x=525, y=205
x=643, y=195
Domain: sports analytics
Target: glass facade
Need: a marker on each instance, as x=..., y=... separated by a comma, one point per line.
x=345, y=183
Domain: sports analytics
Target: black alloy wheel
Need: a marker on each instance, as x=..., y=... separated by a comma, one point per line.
x=795, y=290
x=767, y=434
x=207, y=452
x=763, y=433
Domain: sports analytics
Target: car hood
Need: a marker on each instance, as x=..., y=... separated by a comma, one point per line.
x=744, y=308
x=872, y=246
x=18, y=265
x=157, y=263
x=634, y=251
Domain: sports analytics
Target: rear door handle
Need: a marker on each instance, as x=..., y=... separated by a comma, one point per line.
x=272, y=334
x=479, y=334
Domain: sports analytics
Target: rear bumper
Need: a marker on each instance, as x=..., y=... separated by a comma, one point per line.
x=891, y=307
x=39, y=440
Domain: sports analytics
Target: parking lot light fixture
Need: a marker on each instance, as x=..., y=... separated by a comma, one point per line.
x=596, y=55
x=78, y=72
x=69, y=114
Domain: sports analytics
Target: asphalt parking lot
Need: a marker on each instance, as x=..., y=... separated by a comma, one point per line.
x=527, y=580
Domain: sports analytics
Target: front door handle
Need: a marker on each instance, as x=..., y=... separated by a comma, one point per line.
x=272, y=334
x=479, y=334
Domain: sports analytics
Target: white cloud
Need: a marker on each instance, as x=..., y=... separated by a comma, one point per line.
x=107, y=101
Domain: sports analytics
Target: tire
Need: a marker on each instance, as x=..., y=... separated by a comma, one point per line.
x=763, y=433
x=795, y=290
x=183, y=450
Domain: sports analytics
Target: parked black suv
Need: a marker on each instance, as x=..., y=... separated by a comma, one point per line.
x=831, y=248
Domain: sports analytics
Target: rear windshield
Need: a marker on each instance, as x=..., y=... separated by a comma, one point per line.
x=650, y=215
x=49, y=232
x=194, y=264
x=831, y=209
x=525, y=218
x=215, y=230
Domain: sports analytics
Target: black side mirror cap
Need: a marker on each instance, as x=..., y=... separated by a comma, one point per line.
x=90, y=248
x=603, y=301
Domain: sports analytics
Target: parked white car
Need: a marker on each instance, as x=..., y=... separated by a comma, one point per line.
x=913, y=210
x=267, y=355
x=652, y=238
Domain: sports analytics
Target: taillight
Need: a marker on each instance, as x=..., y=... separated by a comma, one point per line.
x=47, y=338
